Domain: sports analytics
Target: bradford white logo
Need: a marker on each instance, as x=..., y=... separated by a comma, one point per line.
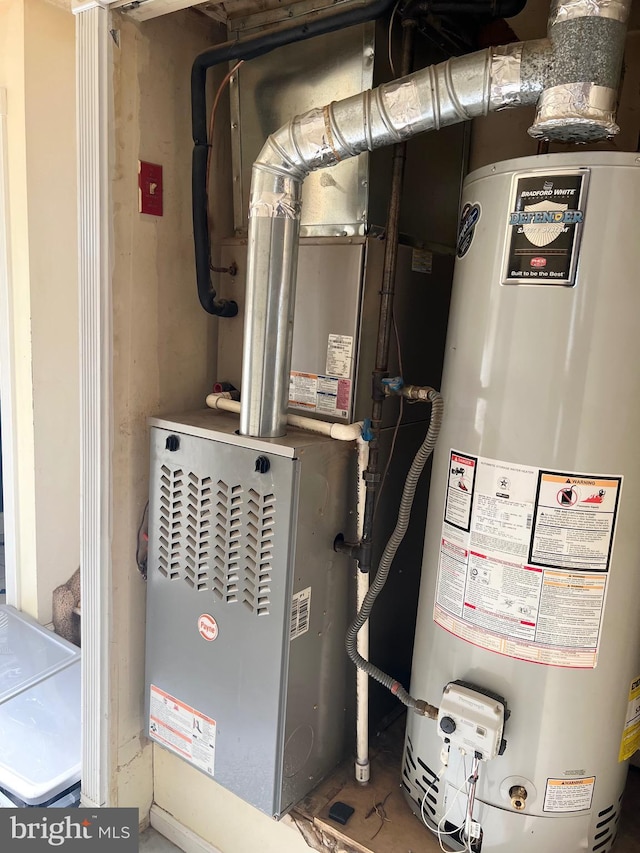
x=544, y=221
x=57, y=832
x=208, y=627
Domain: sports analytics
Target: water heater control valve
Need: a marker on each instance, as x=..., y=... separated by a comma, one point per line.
x=472, y=720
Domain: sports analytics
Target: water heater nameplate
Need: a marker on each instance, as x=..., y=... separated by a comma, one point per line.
x=544, y=227
x=524, y=559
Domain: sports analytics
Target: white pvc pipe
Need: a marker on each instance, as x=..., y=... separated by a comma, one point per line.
x=341, y=432
x=362, y=765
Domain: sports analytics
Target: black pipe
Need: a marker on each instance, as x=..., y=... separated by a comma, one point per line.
x=385, y=318
x=257, y=45
x=248, y=48
x=477, y=8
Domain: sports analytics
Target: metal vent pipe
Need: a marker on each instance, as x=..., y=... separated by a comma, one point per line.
x=573, y=77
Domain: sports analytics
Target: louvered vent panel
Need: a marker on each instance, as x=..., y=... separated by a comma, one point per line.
x=420, y=782
x=261, y=512
x=225, y=567
x=198, y=532
x=170, y=521
x=606, y=830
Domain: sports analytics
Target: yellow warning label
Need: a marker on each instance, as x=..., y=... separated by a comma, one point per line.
x=631, y=732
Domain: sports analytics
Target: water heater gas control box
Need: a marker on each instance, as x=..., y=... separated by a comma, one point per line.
x=472, y=720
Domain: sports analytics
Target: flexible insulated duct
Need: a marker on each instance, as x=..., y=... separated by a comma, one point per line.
x=572, y=75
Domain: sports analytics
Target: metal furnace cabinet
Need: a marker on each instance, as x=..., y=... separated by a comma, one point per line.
x=247, y=604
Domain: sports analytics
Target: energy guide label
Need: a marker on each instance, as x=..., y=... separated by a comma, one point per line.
x=182, y=729
x=524, y=559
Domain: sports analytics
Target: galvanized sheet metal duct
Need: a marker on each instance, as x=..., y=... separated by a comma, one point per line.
x=572, y=76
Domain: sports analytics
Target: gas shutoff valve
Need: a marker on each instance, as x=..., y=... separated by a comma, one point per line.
x=472, y=720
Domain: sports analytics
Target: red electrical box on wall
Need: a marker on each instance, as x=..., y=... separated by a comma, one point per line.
x=149, y=188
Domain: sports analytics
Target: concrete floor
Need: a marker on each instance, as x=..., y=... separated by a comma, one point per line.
x=152, y=842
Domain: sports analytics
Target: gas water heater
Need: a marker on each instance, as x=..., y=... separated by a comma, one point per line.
x=528, y=631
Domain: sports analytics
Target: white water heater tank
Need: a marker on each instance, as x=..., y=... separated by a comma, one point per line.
x=531, y=572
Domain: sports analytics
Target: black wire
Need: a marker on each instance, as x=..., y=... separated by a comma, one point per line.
x=142, y=565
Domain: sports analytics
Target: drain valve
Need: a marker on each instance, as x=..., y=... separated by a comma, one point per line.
x=518, y=796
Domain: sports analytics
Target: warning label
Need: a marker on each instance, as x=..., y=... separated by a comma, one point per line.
x=182, y=729
x=462, y=472
x=303, y=390
x=569, y=795
x=631, y=732
x=574, y=521
x=494, y=590
x=324, y=394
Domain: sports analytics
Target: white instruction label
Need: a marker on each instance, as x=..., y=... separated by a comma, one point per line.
x=182, y=729
x=524, y=557
x=324, y=394
x=339, y=356
x=462, y=473
x=569, y=795
x=303, y=390
x=300, y=613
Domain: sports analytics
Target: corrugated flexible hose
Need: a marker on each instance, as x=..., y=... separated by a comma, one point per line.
x=402, y=523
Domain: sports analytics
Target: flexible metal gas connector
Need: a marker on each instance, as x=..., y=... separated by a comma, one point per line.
x=391, y=548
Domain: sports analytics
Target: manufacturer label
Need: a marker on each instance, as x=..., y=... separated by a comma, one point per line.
x=569, y=795
x=182, y=729
x=339, y=356
x=300, y=613
x=524, y=559
x=631, y=732
x=207, y=627
x=544, y=227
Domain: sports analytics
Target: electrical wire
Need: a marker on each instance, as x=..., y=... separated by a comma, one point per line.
x=458, y=830
x=214, y=110
x=141, y=562
x=440, y=833
x=424, y=818
x=391, y=19
x=384, y=566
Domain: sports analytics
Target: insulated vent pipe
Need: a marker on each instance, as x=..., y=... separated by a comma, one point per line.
x=572, y=76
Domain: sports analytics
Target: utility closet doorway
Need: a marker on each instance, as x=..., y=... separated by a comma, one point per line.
x=8, y=574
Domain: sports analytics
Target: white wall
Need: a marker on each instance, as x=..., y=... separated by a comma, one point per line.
x=51, y=187
x=37, y=66
x=164, y=343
